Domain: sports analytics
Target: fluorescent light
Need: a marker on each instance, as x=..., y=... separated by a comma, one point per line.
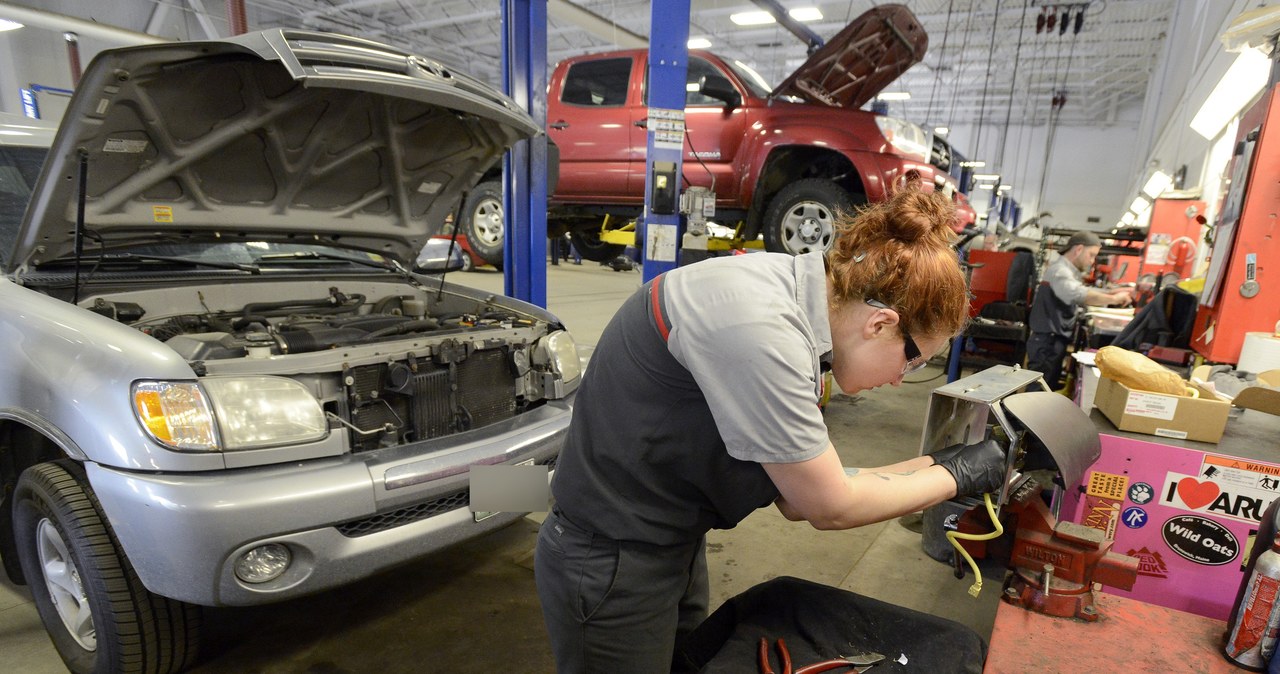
x=973, y=164
x=6, y=24
x=894, y=96
x=1157, y=184
x=751, y=18
x=1128, y=218
x=986, y=176
x=1004, y=188
x=692, y=86
x=806, y=14
x=1244, y=79
x=698, y=43
x=988, y=186
x=1140, y=205
x=941, y=130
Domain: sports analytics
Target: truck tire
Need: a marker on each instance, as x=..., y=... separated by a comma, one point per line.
x=802, y=216
x=97, y=612
x=481, y=222
x=589, y=246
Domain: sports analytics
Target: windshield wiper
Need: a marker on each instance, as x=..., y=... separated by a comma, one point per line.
x=186, y=261
x=315, y=255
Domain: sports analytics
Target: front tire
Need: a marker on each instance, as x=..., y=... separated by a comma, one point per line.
x=481, y=221
x=97, y=612
x=802, y=217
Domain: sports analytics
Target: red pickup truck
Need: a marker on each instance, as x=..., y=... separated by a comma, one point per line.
x=781, y=160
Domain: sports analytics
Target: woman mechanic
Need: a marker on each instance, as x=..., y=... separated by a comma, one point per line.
x=700, y=406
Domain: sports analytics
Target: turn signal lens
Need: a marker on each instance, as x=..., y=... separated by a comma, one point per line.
x=176, y=414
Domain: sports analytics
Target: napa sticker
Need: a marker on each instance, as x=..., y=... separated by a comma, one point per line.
x=1212, y=495
x=1200, y=540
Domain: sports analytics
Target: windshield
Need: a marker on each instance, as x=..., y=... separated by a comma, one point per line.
x=19, y=168
x=759, y=87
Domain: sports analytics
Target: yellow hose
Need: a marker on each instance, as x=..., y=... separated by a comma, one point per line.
x=953, y=535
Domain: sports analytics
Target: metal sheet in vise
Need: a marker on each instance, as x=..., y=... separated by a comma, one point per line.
x=1059, y=426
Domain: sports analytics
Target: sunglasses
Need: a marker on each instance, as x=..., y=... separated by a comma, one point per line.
x=915, y=359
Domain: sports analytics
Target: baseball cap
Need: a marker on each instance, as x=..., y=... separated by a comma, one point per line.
x=1081, y=238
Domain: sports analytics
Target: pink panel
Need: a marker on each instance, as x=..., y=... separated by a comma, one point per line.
x=1189, y=516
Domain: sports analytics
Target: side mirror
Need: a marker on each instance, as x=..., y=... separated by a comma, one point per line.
x=437, y=258
x=720, y=89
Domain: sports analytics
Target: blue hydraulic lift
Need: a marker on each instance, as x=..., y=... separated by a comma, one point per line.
x=524, y=79
x=524, y=177
x=658, y=230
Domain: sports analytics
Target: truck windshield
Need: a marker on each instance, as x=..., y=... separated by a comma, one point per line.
x=759, y=87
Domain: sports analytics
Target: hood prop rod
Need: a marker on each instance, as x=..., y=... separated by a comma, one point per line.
x=80, y=201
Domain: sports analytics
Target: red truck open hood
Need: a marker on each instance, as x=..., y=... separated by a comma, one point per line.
x=861, y=60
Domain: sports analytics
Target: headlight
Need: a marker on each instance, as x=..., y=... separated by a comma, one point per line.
x=563, y=353
x=904, y=136
x=556, y=355
x=229, y=413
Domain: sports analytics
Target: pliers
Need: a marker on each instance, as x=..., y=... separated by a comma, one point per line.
x=859, y=663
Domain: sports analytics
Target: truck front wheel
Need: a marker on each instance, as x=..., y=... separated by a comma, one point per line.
x=481, y=221
x=95, y=609
x=802, y=217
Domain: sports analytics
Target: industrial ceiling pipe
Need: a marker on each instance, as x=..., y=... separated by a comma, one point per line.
x=236, y=21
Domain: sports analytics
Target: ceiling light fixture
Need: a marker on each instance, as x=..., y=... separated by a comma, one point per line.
x=759, y=18
x=1140, y=205
x=1157, y=184
x=698, y=43
x=1243, y=80
x=894, y=96
x=751, y=18
x=1128, y=218
x=806, y=14
x=973, y=164
x=986, y=176
x=6, y=24
x=1005, y=188
x=941, y=130
x=987, y=186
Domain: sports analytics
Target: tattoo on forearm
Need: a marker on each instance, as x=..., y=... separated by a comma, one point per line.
x=889, y=476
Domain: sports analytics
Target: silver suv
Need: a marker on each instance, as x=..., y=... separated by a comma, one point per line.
x=219, y=383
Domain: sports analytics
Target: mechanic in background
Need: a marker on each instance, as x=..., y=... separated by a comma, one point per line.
x=701, y=405
x=1053, y=311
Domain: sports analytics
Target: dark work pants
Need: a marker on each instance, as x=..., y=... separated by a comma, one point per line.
x=617, y=606
x=1045, y=353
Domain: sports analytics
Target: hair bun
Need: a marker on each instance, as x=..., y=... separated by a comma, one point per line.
x=918, y=215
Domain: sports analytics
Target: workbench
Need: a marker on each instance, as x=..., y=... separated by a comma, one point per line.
x=1130, y=636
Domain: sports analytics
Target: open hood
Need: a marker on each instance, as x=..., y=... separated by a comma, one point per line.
x=281, y=135
x=861, y=60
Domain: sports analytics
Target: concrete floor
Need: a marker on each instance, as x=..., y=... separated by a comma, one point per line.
x=473, y=608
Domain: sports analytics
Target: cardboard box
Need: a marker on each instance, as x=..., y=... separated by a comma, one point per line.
x=1184, y=418
x=1253, y=398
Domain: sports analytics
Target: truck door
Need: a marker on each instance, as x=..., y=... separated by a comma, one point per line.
x=594, y=129
x=715, y=132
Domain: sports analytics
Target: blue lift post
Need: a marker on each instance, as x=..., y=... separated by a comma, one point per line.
x=524, y=176
x=658, y=230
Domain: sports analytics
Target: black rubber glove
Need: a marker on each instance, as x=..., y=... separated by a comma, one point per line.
x=977, y=468
x=946, y=452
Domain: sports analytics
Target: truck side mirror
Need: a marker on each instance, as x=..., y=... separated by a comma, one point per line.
x=720, y=89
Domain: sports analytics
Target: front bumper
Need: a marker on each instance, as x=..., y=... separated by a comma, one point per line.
x=343, y=519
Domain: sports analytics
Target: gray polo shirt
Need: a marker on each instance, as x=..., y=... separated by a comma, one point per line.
x=690, y=390
x=751, y=329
